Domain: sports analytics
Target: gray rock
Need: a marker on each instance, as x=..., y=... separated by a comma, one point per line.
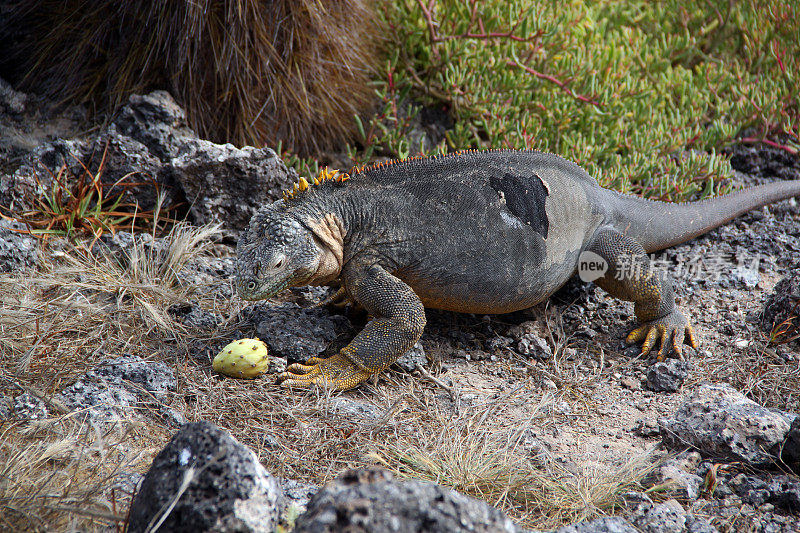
x=115, y=389
x=606, y=524
x=646, y=427
x=790, y=450
x=538, y=450
x=34, y=176
x=268, y=441
x=11, y=101
x=127, y=161
x=6, y=408
x=125, y=482
x=630, y=383
x=356, y=410
x=532, y=345
x=415, y=356
x=632, y=499
x=192, y=315
x=773, y=523
x=667, y=517
x=721, y=422
x=427, y=126
x=295, y=333
x=153, y=377
x=17, y=250
x=781, y=305
x=126, y=150
x=277, y=365
x=226, y=488
x=746, y=275
x=297, y=494
x=99, y=402
x=172, y=416
x=223, y=183
x=370, y=500
x=679, y=475
x=144, y=137
x=150, y=143
x=781, y=491
x=156, y=121
x=311, y=295
x=497, y=343
x=29, y=407
x=695, y=524
x=667, y=376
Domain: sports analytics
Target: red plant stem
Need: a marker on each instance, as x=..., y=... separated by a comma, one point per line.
x=426, y=11
x=557, y=82
x=436, y=38
x=788, y=149
x=779, y=56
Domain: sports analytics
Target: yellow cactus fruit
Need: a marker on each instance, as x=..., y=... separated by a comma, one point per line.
x=245, y=358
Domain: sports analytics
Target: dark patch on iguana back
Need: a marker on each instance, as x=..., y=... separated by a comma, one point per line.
x=525, y=198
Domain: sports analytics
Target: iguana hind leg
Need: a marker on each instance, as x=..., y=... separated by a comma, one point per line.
x=399, y=319
x=631, y=277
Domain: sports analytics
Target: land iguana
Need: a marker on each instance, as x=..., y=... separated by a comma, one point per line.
x=476, y=232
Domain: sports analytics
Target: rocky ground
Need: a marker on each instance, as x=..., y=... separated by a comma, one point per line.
x=544, y=414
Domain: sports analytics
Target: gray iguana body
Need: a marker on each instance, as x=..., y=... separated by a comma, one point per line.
x=477, y=232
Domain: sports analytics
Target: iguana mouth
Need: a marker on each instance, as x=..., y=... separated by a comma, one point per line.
x=249, y=289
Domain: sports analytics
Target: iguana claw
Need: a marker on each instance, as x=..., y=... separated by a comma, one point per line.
x=338, y=299
x=673, y=330
x=337, y=372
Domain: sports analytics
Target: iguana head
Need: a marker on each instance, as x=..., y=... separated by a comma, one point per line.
x=274, y=253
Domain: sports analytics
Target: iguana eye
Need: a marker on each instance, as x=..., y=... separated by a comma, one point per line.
x=279, y=261
x=251, y=286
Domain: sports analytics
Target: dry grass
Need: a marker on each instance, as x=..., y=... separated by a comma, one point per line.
x=761, y=374
x=246, y=71
x=482, y=452
x=79, y=307
x=478, y=449
x=60, y=475
x=57, y=323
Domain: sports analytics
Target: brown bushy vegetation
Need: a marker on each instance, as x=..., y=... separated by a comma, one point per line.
x=246, y=71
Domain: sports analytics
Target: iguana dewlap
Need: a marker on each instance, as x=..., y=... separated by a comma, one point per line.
x=476, y=232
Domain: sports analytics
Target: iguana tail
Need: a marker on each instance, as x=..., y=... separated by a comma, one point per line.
x=659, y=225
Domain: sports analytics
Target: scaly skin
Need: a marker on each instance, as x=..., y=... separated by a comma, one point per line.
x=479, y=232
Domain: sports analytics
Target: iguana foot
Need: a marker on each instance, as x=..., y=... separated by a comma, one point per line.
x=673, y=330
x=338, y=299
x=336, y=372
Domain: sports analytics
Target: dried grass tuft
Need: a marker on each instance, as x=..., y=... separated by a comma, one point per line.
x=79, y=307
x=247, y=71
x=60, y=475
x=481, y=453
x=58, y=322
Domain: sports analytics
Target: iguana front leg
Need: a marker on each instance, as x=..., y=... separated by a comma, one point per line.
x=631, y=277
x=399, y=319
